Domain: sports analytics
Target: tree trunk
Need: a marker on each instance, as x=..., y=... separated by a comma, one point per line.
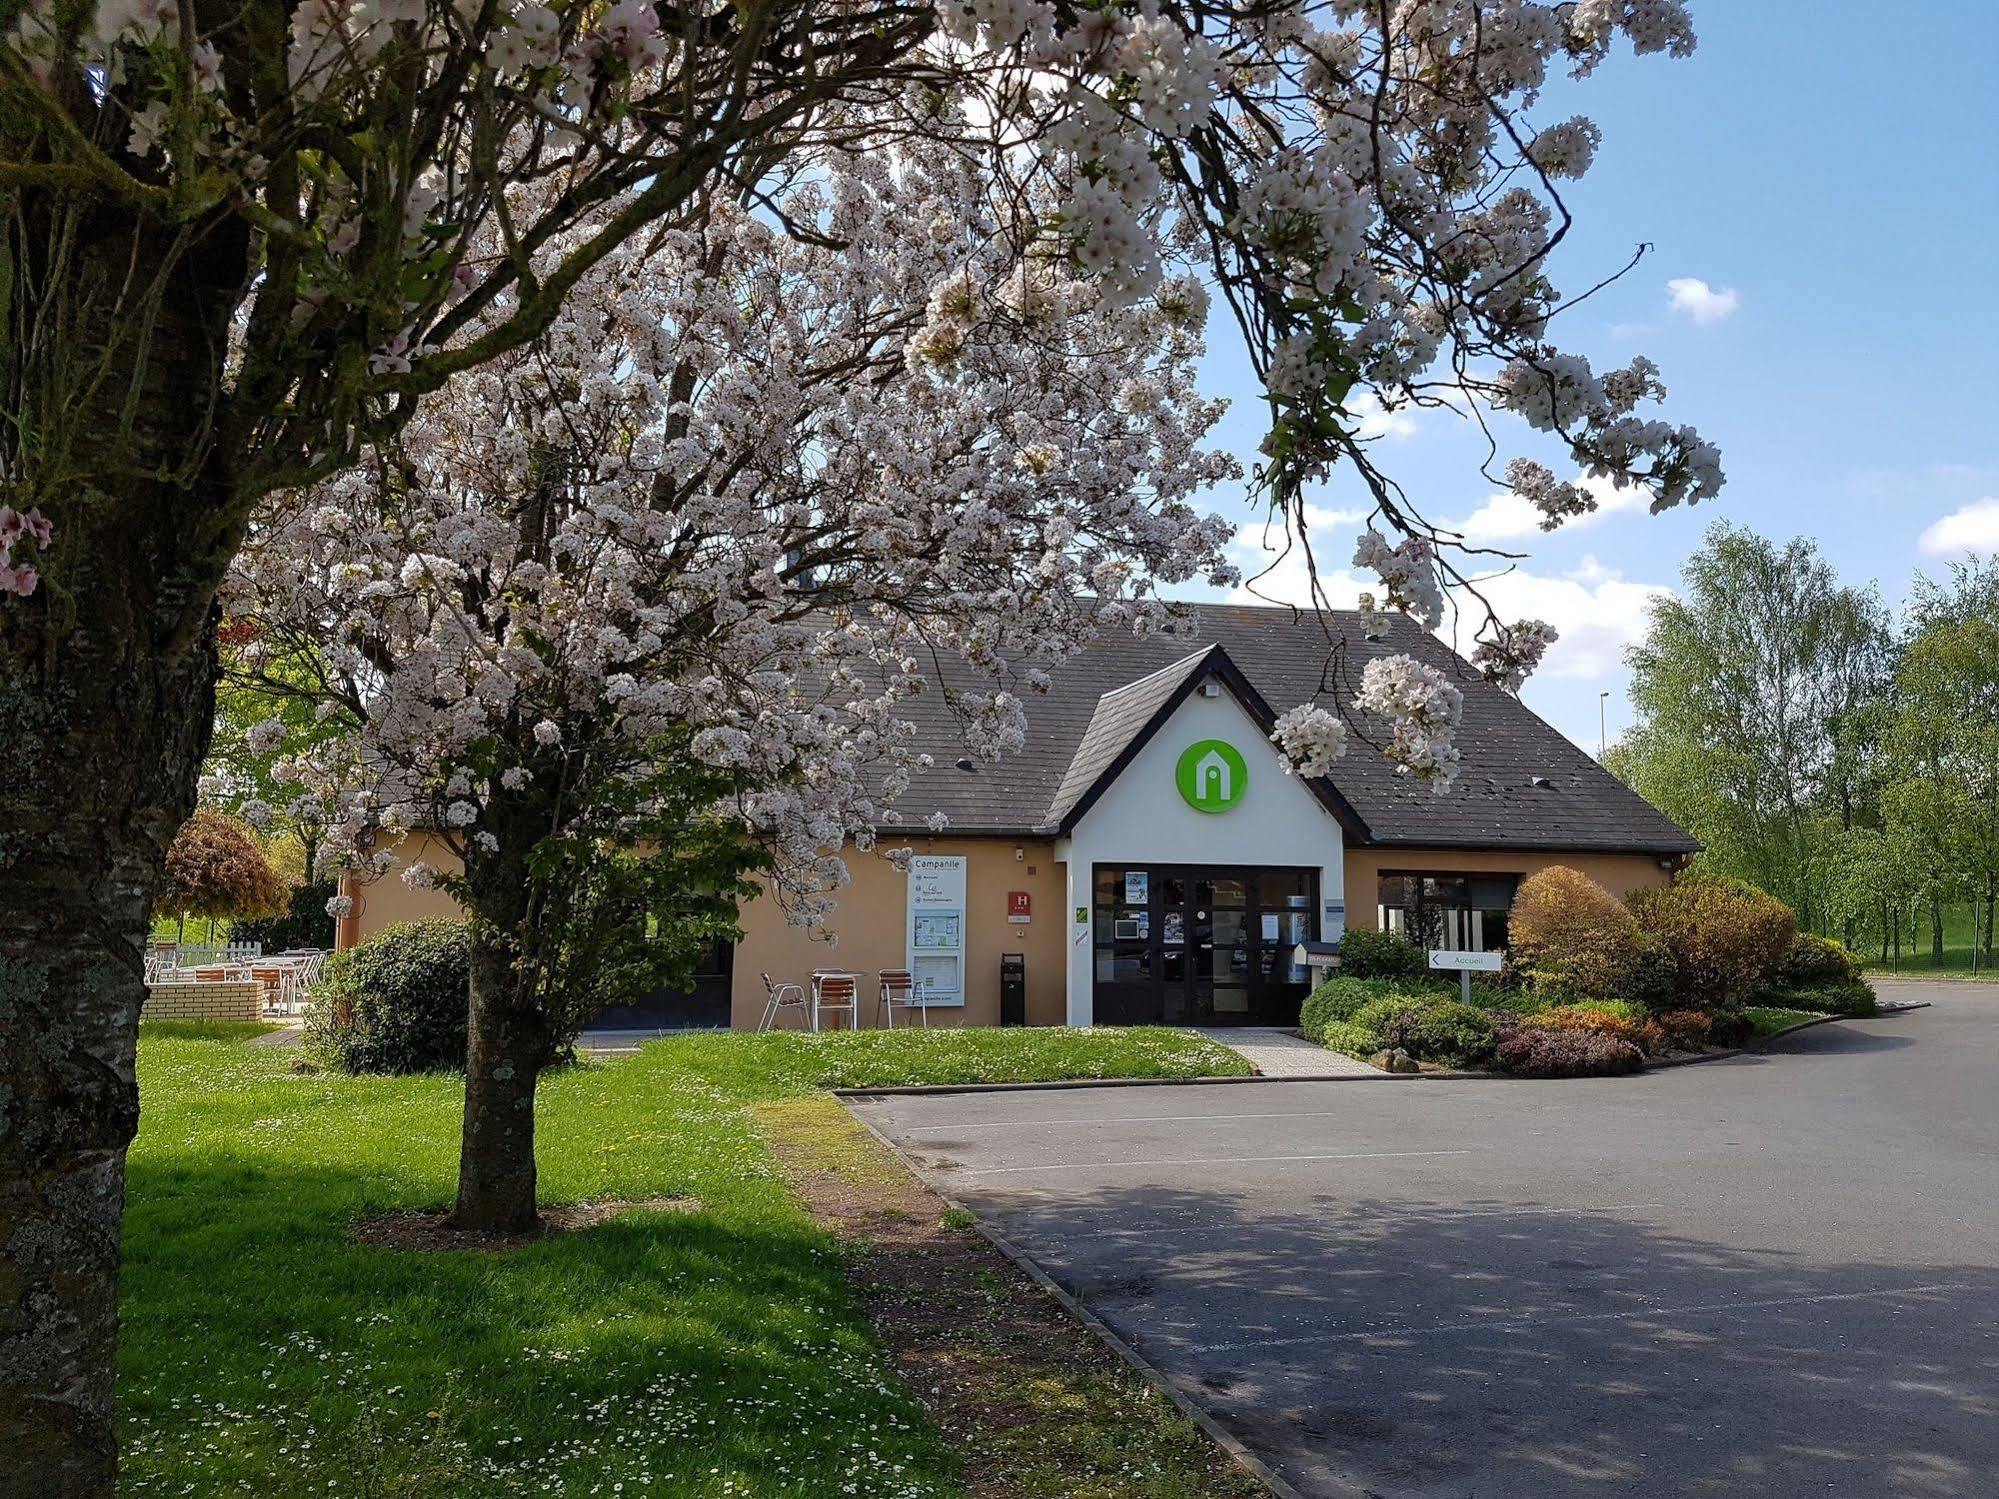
x=1991, y=900
x=503, y=1059
x=1885, y=916
x=1936, y=933
x=119, y=737
x=106, y=703
x=507, y=1045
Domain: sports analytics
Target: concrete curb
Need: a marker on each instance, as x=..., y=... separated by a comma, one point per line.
x=1875, y=976
x=901, y=1090
x=1660, y=1064
x=1248, y=1461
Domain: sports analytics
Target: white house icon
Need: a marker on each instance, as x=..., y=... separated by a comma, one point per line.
x=1212, y=766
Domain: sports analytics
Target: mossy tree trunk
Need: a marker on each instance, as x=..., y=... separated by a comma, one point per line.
x=110, y=381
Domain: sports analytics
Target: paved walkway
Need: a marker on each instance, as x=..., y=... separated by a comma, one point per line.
x=1280, y=1053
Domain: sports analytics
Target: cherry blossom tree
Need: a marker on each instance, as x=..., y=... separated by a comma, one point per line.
x=678, y=567
x=240, y=240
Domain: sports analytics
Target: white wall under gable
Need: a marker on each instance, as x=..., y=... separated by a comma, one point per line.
x=1141, y=819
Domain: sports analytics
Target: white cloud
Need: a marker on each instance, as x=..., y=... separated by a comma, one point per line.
x=1969, y=528
x=1284, y=577
x=1701, y=302
x=1373, y=420
x=1597, y=611
x=1507, y=517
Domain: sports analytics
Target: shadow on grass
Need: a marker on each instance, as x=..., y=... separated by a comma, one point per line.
x=265, y=1351
x=1495, y=1348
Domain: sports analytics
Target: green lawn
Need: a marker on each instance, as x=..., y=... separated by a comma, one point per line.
x=1915, y=961
x=715, y=1352
x=1957, y=962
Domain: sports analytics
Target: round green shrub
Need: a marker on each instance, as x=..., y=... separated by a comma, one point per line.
x=1338, y=998
x=1430, y=1029
x=1726, y=937
x=397, y=1002
x=1573, y=937
x=1349, y=1039
x=1373, y=955
x=1727, y=1025
x=1816, y=961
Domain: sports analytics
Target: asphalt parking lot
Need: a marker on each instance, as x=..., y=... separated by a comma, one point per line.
x=1776, y=1274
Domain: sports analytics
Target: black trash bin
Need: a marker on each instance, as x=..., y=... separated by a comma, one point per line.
x=1013, y=988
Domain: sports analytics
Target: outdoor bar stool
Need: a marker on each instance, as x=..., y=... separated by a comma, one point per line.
x=835, y=992
x=900, y=989
x=780, y=997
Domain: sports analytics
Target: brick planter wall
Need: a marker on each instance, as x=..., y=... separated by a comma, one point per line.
x=238, y=1000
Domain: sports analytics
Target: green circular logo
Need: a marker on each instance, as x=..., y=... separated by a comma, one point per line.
x=1211, y=775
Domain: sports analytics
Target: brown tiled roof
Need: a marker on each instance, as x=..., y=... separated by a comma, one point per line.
x=1522, y=783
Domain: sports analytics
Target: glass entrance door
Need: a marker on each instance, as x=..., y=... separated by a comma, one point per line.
x=1200, y=945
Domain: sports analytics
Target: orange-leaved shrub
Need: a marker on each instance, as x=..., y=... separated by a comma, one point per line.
x=1725, y=936
x=1683, y=1030
x=1569, y=933
x=1641, y=1034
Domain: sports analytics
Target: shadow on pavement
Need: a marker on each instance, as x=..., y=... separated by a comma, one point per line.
x=1493, y=1348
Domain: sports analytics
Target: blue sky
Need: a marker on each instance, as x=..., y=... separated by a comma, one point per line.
x=1827, y=170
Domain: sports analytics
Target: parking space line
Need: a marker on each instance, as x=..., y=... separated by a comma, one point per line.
x=1206, y=1160
x=1632, y=1314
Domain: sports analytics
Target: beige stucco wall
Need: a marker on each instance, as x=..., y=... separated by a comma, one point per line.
x=868, y=924
x=383, y=902
x=1618, y=873
x=870, y=921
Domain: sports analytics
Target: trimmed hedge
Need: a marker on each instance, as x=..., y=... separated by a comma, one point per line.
x=1345, y=1037
x=1571, y=935
x=396, y=1003
x=1726, y=937
x=1816, y=961
x=1430, y=1029
x=1684, y=1030
x=1340, y=998
x=1565, y=1053
x=1613, y=1018
x=1373, y=955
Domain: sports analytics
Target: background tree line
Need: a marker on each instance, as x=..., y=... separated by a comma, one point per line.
x=1843, y=758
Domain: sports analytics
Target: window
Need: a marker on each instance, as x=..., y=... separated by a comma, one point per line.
x=1455, y=912
x=1123, y=925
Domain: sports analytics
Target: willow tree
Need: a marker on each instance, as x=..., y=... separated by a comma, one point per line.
x=236, y=245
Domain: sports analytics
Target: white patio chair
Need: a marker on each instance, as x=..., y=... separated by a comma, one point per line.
x=779, y=998
x=836, y=992
x=900, y=990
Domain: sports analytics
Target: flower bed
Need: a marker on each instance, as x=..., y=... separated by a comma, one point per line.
x=1594, y=987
